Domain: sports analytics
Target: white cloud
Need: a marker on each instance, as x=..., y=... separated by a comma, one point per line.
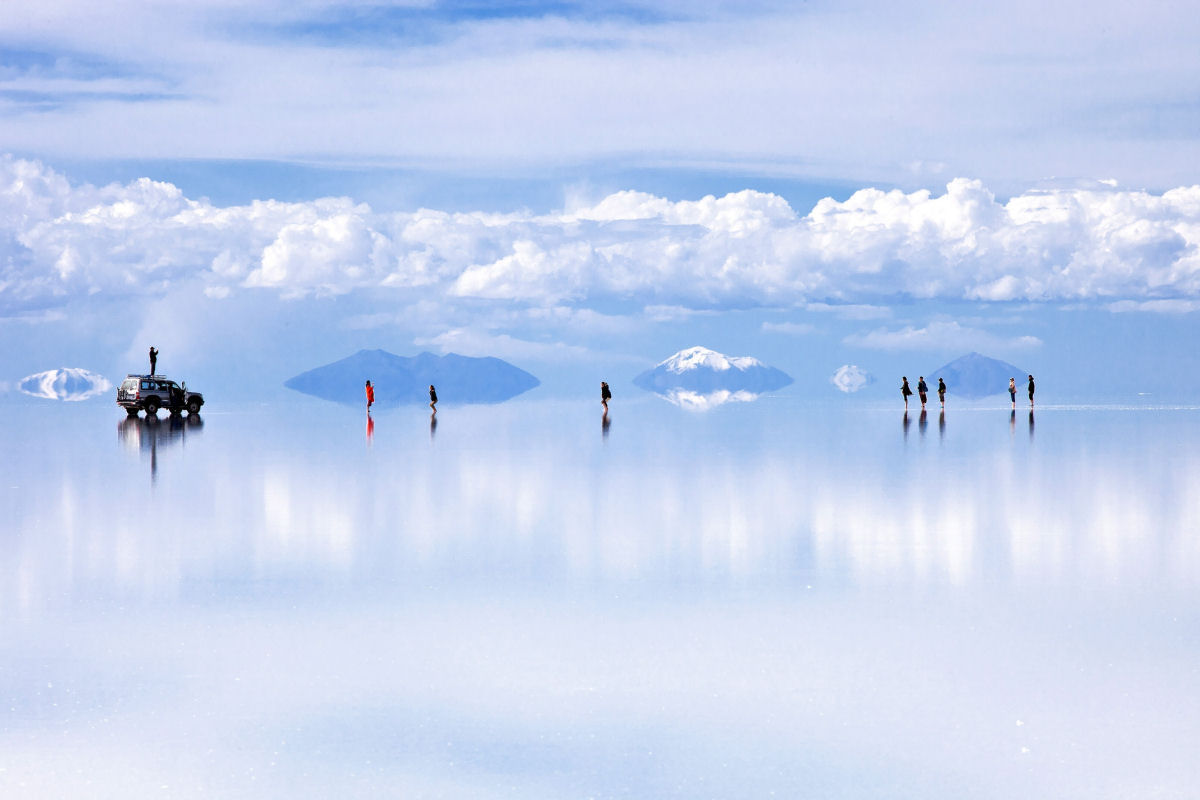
x=1088, y=86
x=469, y=342
x=938, y=335
x=850, y=378
x=851, y=310
x=1177, y=306
x=789, y=328
x=745, y=249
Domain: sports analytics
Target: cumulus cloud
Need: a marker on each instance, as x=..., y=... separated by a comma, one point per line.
x=851, y=310
x=470, y=342
x=789, y=328
x=1173, y=306
x=938, y=335
x=62, y=241
x=67, y=383
x=849, y=378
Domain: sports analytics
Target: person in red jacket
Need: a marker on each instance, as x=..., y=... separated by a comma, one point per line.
x=370, y=396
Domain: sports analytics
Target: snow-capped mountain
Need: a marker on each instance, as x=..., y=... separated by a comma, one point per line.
x=703, y=358
x=66, y=383
x=704, y=371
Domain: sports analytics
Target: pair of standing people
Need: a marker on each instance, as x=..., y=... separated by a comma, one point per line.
x=922, y=391
x=371, y=397
x=1012, y=391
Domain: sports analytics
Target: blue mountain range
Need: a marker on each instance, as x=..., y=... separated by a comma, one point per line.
x=400, y=380
x=973, y=376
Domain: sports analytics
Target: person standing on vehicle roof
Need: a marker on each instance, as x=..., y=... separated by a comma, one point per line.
x=153, y=360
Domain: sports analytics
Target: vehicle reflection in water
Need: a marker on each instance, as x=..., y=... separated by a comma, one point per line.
x=145, y=434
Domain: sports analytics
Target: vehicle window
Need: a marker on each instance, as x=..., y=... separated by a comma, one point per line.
x=147, y=385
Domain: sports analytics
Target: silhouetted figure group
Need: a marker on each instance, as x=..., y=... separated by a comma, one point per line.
x=922, y=391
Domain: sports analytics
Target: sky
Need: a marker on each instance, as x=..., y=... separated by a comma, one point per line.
x=585, y=188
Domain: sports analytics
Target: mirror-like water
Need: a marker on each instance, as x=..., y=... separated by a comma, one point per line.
x=528, y=601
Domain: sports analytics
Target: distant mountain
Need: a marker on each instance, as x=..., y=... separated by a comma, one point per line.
x=703, y=371
x=68, y=383
x=974, y=376
x=400, y=381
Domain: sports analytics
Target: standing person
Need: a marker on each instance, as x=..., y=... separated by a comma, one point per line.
x=153, y=360
x=370, y=396
x=605, y=395
x=1030, y=392
x=922, y=391
x=905, y=390
x=433, y=398
x=942, y=392
x=1012, y=392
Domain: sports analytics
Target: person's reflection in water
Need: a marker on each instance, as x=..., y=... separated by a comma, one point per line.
x=906, y=421
x=1012, y=423
x=604, y=423
x=432, y=424
x=942, y=426
x=370, y=429
x=1031, y=424
x=922, y=421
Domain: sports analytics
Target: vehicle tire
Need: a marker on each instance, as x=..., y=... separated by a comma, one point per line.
x=193, y=406
x=152, y=407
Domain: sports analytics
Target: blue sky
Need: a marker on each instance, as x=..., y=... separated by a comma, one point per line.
x=263, y=187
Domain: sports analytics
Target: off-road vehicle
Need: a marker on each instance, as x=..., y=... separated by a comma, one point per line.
x=152, y=392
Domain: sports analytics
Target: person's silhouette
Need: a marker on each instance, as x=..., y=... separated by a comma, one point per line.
x=370, y=396
x=153, y=360
x=433, y=398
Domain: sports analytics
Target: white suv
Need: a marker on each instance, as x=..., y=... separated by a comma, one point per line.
x=152, y=392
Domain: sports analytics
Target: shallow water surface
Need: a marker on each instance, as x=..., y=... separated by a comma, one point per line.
x=768, y=599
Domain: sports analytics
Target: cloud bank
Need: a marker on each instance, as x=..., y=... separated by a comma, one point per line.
x=61, y=241
x=938, y=335
x=862, y=90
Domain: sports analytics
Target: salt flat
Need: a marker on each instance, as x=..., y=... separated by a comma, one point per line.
x=519, y=602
